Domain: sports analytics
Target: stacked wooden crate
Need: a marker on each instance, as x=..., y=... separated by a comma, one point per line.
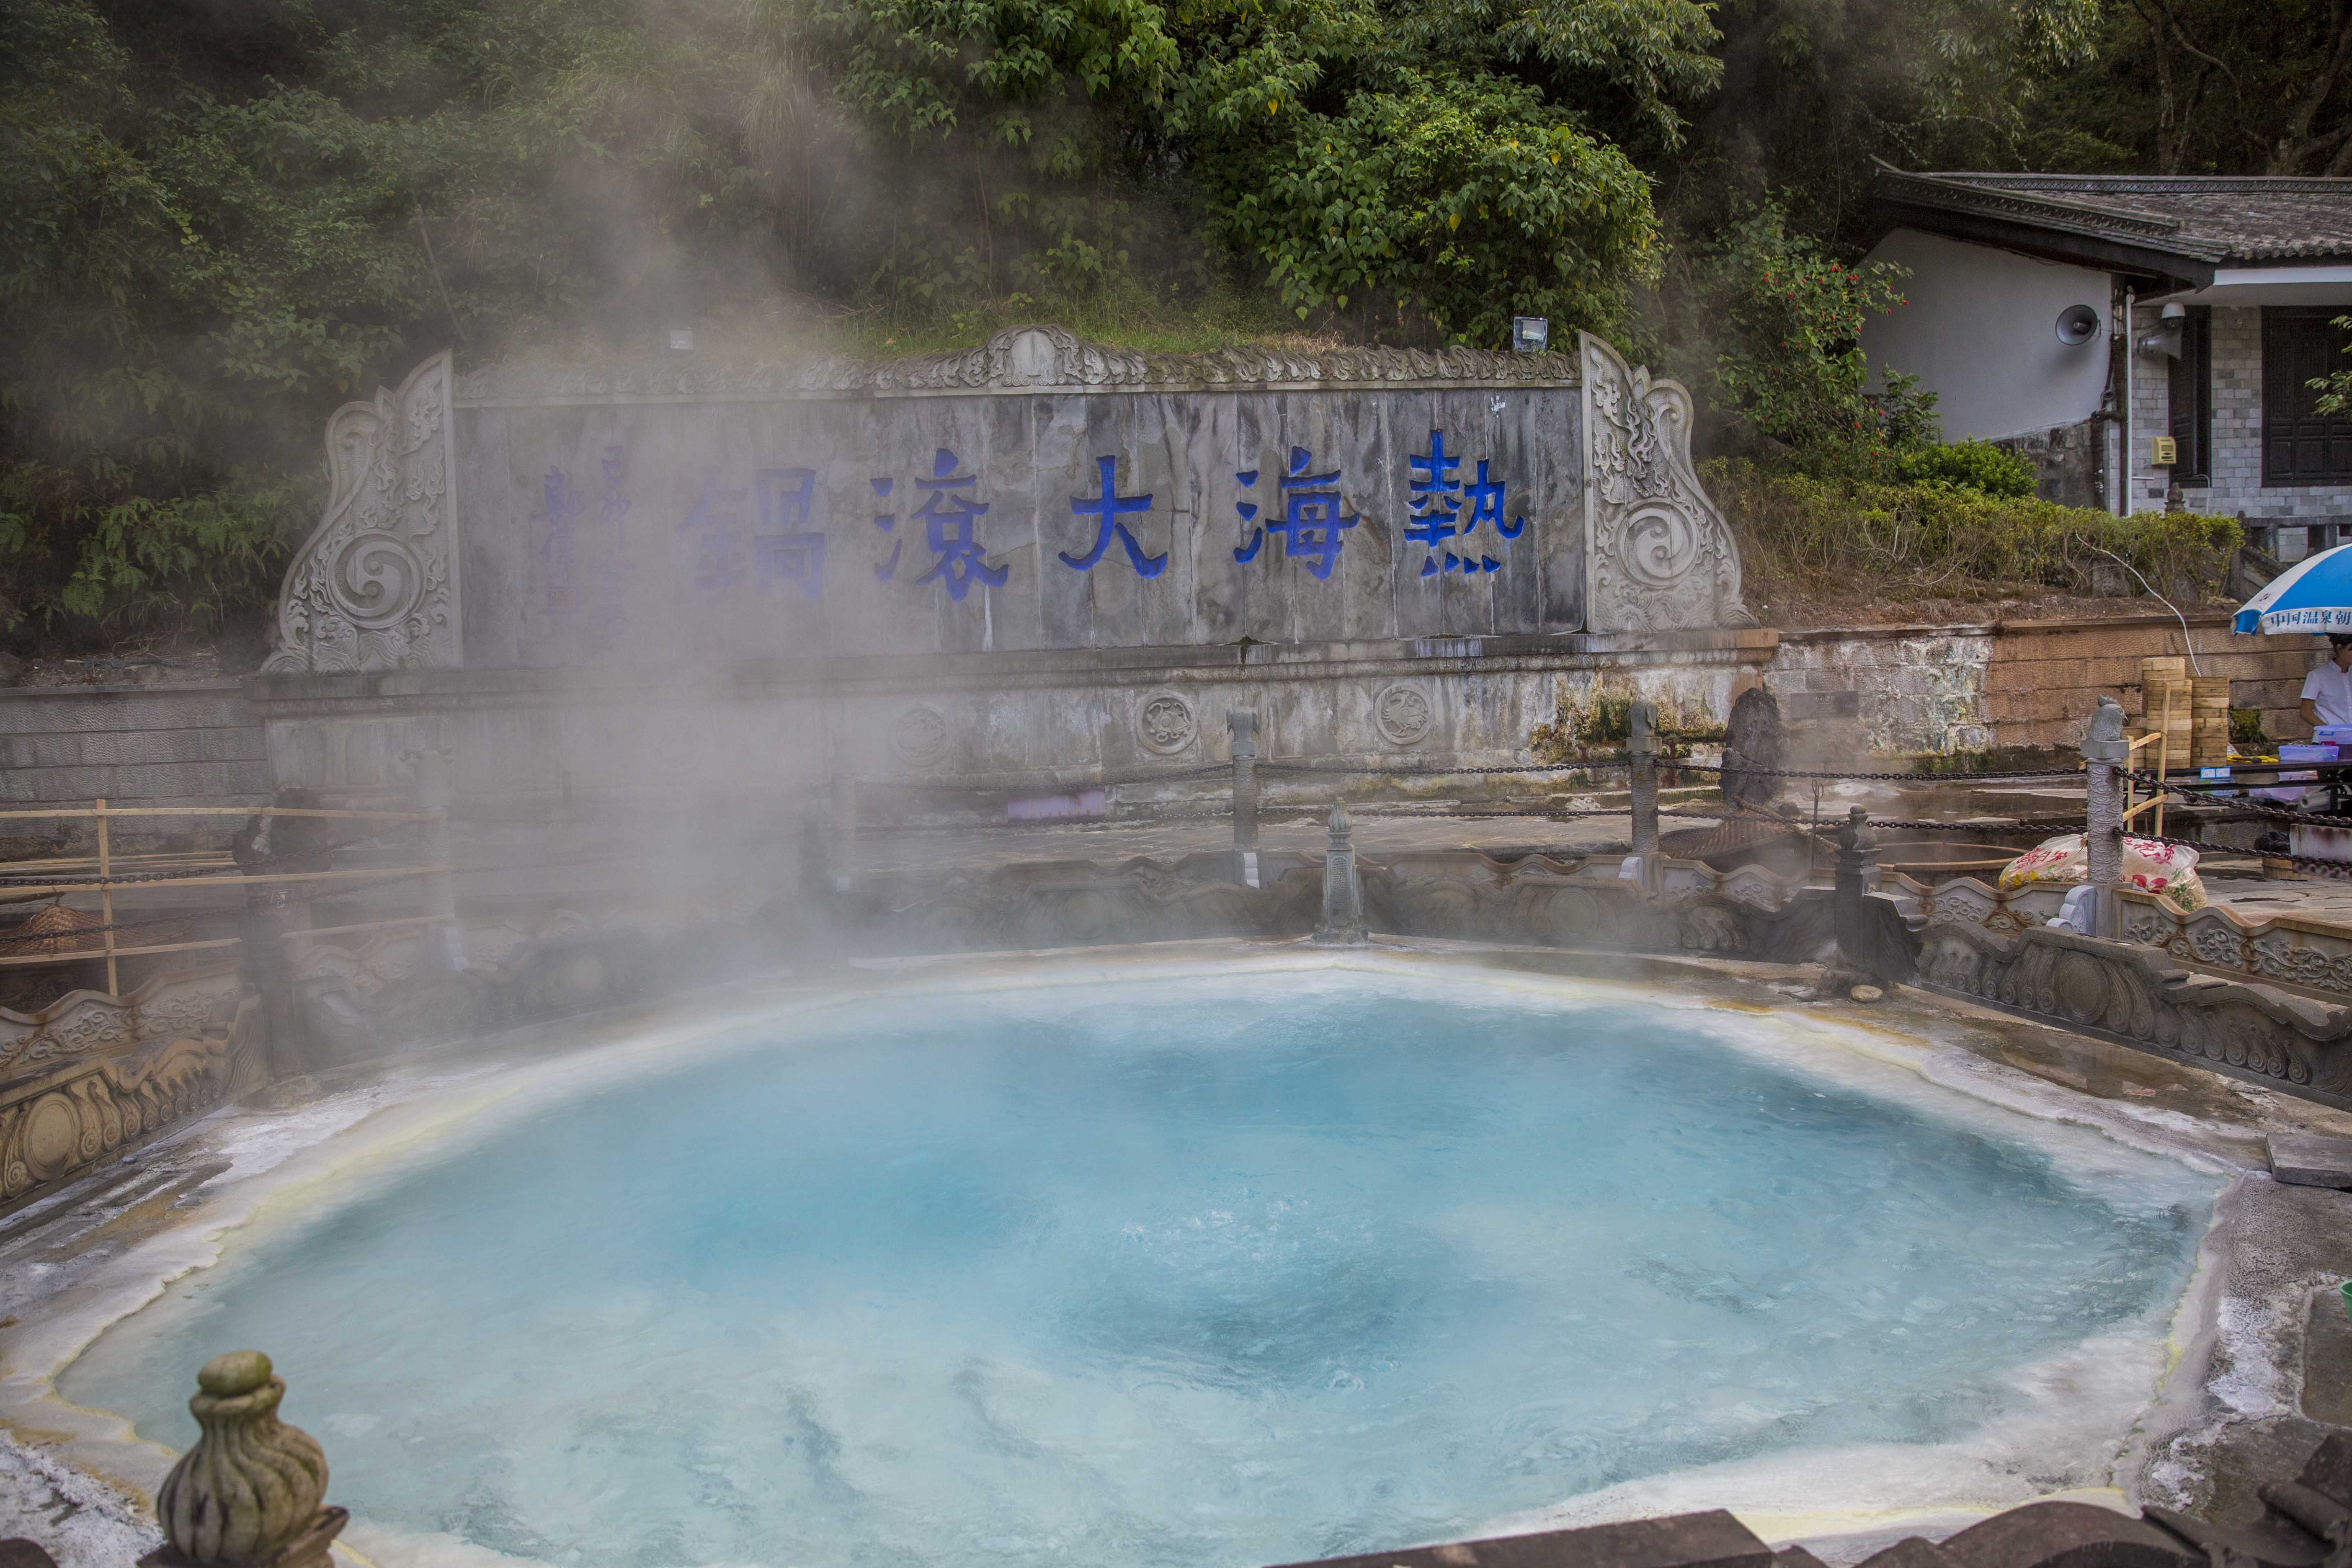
x=2193, y=710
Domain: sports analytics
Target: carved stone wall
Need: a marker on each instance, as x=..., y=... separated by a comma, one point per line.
x=376, y=585
x=1035, y=492
x=1659, y=556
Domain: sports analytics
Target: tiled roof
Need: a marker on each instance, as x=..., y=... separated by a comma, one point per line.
x=2211, y=218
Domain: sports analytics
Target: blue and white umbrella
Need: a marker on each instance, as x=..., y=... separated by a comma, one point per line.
x=2314, y=595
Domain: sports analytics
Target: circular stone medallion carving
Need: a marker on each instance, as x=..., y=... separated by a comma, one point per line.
x=1661, y=544
x=376, y=580
x=920, y=736
x=1164, y=722
x=2082, y=985
x=1404, y=715
x=52, y=1136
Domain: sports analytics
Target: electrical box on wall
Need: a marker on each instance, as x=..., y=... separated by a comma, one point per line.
x=2167, y=451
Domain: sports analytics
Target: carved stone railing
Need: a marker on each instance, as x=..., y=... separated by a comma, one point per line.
x=88, y=1024
x=2139, y=995
x=64, y=1112
x=2287, y=948
x=1460, y=894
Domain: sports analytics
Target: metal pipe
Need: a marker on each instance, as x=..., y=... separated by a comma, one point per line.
x=2123, y=466
x=1244, y=725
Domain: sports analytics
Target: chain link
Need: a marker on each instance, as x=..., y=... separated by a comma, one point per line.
x=2244, y=804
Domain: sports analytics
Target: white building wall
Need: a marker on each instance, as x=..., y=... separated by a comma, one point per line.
x=1981, y=330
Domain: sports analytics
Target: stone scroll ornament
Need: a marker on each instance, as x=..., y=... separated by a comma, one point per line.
x=375, y=587
x=1660, y=556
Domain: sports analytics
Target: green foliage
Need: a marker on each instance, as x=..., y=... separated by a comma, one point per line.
x=1968, y=465
x=1431, y=195
x=1786, y=319
x=129, y=563
x=1919, y=540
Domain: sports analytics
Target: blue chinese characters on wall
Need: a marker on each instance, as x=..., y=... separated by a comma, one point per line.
x=1309, y=521
x=786, y=550
x=1435, y=520
x=784, y=547
x=951, y=529
x=562, y=504
x=1107, y=506
x=888, y=522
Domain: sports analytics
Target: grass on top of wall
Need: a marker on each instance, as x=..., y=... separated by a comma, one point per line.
x=1844, y=538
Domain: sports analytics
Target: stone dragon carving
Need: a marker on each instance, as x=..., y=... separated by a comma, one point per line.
x=376, y=586
x=1660, y=556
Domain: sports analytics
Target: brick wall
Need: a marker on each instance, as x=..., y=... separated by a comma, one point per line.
x=1896, y=690
x=131, y=745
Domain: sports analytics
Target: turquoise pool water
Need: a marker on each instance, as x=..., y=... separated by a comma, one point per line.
x=1232, y=1270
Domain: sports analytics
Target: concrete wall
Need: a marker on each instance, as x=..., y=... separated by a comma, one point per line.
x=1010, y=721
x=1900, y=689
x=1980, y=329
x=182, y=745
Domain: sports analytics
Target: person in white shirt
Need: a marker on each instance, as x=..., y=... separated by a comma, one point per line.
x=2327, y=690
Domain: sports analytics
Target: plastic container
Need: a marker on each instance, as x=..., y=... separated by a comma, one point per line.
x=2295, y=752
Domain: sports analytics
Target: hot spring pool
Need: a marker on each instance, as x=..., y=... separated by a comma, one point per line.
x=1221, y=1270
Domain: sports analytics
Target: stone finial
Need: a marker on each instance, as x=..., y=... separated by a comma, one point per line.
x=2102, y=738
x=248, y=1493
x=1343, y=893
x=1854, y=836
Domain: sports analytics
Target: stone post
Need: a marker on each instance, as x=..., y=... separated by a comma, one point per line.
x=247, y=1495
x=1244, y=725
x=1343, y=891
x=266, y=961
x=2104, y=752
x=434, y=795
x=1641, y=751
x=845, y=832
x=1856, y=844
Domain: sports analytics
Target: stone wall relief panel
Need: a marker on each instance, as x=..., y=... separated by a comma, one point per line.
x=376, y=586
x=919, y=737
x=1658, y=555
x=1403, y=713
x=1164, y=723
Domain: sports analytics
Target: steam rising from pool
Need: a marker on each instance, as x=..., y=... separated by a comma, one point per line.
x=1227, y=1271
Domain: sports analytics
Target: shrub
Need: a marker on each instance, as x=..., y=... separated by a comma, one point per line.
x=1968, y=465
x=82, y=565
x=1840, y=533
